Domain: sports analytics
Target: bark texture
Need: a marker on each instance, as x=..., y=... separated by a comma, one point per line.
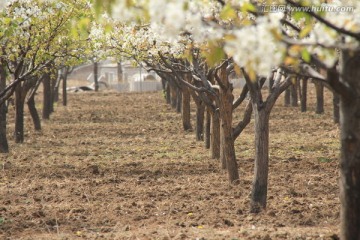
x=96, y=76
x=46, y=96
x=319, y=98
x=215, y=136
x=19, y=114
x=207, y=128
x=34, y=113
x=350, y=145
x=185, y=109
x=304, y=95
x=4, y=146
x=227, y=139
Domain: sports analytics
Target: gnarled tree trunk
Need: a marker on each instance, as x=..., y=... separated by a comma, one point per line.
x=227, y=151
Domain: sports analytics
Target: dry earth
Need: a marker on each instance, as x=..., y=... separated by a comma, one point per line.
x=119, y=166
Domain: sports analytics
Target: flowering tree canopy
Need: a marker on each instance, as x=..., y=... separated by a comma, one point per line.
x=258, y=35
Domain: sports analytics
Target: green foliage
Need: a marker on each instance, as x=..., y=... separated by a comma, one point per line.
x=305, y=55
x=214, y=54
x=228, y=12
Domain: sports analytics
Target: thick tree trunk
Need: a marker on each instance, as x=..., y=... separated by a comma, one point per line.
x=336, y=108
x=34, y=113
x=259, y=189
x=4, y=146
x=19, y=114
x=46, y=96
x=185, y=109
x=262, y=110
x=207, y=129
x=350, y=145
x=319, y=87
x=96, y=76
x=215, y=136
x=200, y=113
x=287, y=97
x=227, y=139
x=304, y=95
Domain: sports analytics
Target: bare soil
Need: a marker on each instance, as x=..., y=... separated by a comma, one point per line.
x=119, y=166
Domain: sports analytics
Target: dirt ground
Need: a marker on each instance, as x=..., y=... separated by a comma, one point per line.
x=119, y=166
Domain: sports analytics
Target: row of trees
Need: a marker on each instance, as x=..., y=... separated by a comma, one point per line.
x=195, y=45
x=40, y=42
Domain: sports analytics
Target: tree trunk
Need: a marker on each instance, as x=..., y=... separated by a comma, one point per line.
x=96, y=76
x=287, y=98
x=168, y=92
x=53, y=93
x=178, y=100
x=46, y=96
x=19, y=114
x=294, y=94
x=57, y=86
x=34, y=113
x=173, y=96
x=259, y=189
x=262, y=110
x=207, y=129
x=227, y=140
x=319, y=87
x=271, y=84
x=64, y=86
x=4, y=146
x=185, y=109
x=304, y=95
x=336, y=108
x=222, y=147
x=215, y=136
x=200, y=112
x=350, y=145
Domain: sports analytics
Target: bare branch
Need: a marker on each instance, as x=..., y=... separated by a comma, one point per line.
x=326, y=22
